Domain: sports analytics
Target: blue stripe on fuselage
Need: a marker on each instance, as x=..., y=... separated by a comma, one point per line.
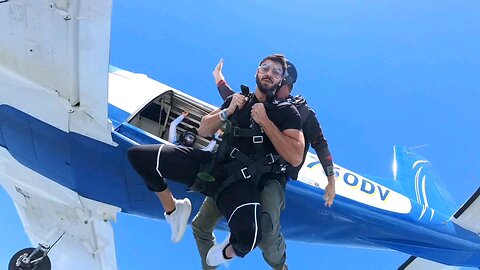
x=89, y=167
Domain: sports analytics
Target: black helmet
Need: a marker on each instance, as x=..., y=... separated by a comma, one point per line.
x=290, y=74
x=188, y=138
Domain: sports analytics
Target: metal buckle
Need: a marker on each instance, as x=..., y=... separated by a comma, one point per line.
x=245, y=173
x=233, y=152
x=258, y=139
x=235, y=131
x=270, y=158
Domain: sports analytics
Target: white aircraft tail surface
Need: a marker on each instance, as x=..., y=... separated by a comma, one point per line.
x=414, y=263
x=468, y=216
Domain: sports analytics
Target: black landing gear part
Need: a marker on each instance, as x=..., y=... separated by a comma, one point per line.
x=30, y=259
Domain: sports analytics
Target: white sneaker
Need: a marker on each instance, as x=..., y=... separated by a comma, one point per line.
x=178, y=220
x=215, y=254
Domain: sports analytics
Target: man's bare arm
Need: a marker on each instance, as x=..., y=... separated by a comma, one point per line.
x=289, y=143
x=210, y=123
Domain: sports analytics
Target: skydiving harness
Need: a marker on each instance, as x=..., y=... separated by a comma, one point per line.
x=300, y=103
x=243, y=166
x=249, y=167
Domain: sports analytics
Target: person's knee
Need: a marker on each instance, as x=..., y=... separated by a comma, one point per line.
x=273, y=244
x=245, y=240
x=246, y=233
x=272, y=240
x=133, y=154
x=270, y=225
x=155, y=185
x=136, y=156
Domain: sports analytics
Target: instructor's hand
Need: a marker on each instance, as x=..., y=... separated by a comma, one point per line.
x=329, y=193
x=217, y=72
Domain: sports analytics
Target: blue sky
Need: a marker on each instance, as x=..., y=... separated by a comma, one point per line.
x=377, y=73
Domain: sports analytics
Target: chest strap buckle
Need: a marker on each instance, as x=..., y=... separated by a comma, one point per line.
x=245, y=173
x=233, y=152
x=270, y=159
x=257, y=139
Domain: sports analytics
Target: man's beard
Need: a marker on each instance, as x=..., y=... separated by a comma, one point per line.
x=263, y=89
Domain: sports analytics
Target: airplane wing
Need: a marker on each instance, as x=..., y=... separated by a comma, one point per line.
x=51, y=212
x=54, y=61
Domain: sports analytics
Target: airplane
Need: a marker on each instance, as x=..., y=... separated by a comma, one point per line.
x=67, y=119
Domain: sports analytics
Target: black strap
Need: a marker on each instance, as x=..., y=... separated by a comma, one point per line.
x=246, y=132
x=245, y=169
x=267, y=159
x=251, y=173
x=237, y=155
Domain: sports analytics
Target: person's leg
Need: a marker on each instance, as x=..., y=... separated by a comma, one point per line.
x=144, y=159
x=245, y=229
x=156, y=162
x=167, y=200
x=162, y=161
x=203, y=224
x=273, y=244
x=240, y=205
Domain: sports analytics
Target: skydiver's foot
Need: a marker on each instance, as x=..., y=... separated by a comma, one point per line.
x=178, y=219
x=216, y=254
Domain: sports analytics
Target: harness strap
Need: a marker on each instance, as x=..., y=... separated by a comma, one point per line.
x=247, y=161
x=237, y=155
x=245, y=132
x=240, y=169
x=244, y=168
x=246, y=173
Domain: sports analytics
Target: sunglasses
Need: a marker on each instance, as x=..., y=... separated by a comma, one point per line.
x=276, y=72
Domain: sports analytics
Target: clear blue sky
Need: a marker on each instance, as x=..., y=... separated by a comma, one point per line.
x=377, y=73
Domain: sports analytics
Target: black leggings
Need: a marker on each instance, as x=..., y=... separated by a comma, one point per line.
x=239, y=203
x=156, y=162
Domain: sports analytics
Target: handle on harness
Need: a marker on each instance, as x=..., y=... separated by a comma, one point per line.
x=245, y=90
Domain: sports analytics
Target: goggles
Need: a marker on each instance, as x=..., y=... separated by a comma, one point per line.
x=276, y=72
